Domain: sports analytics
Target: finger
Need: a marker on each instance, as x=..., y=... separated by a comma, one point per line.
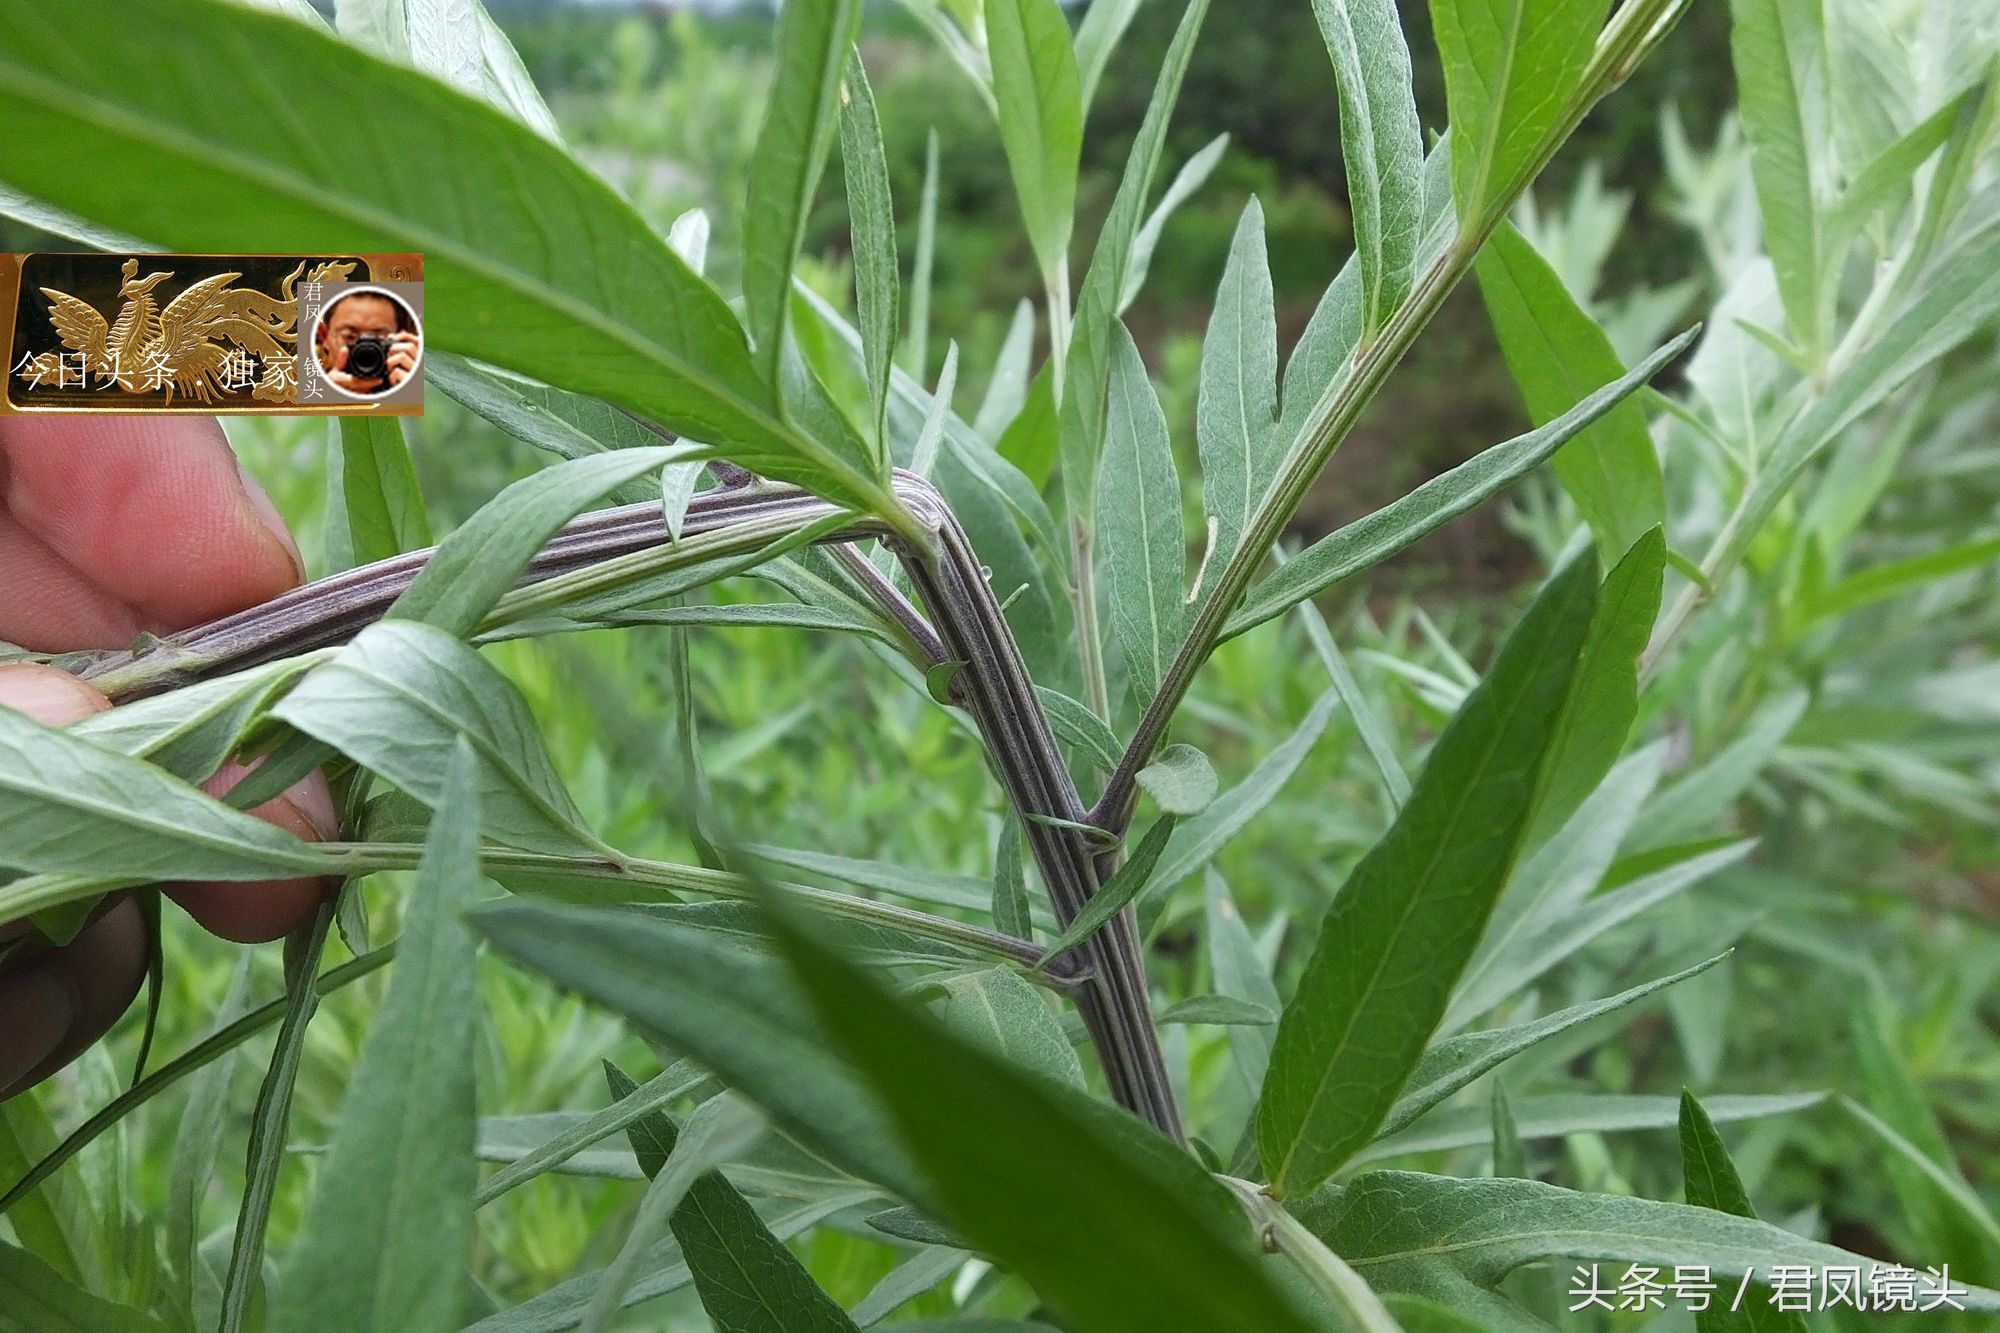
x=55, y=1005
x=48, y=694
x=152, y=511
x=51, y=607
x=53, y=698
x=256, y=913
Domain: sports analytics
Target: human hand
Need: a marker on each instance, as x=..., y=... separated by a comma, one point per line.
x=402, y=358
x=110, y=526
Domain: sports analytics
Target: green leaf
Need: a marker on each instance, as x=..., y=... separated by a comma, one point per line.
x=270, y=1119
x=1104, y=23
x=1197, y=840
x=53, y=1218
x=1510, y=69
x=1766, y=40
x=1965, y=1205
x=747, y=1280
x=1894, y=577
x=1371, y=540
x=1139, y=523
x=236, y=171
x=1958, y=295
x=972, y=1326
x=384, y=506
x=1181, y=779
x=716, y=1132
x=1011, y=914
x=732, y=1008
x=1399, y=1229
x=754, y=615
x=995, y=1009
x=1566, y=868
x=1007, y=390
x=924, y=453
x=1558, y=1115
x=197, y=1147
x=568, y=425
x=1712, y=1183
x=1381, y=147
x=1368, y=720
x=1557, y=353
x=1082, y=728
x=1237, y=970
x=190, y=731
x=1080, y=431
x=1557, y=933
x=910, y=404
x=17, y=1202
x=507, y=81
x=938, y=888
x=1890, y=173
x=656, y=1094
x=1405, y=923
x=1510, y=1158
x=1194, y=173
x=1599, y=716
x=68, y=806
x=1236, y=409
x=369, y=1255
x=1690, y=807
x=560, y=1307
x=1418, y=1315
x=1038, y=91
x=921, y=1272
x=35, y=1298
x=917, y=351
x=814, y=45
x=1452, y=1064
x=939, y=679
x=1943, y=1209
x=402, y=697
x=1112, y=896
x=1218, y=1011
x=1108, y=1222
x=484, y=558
x=873, y=216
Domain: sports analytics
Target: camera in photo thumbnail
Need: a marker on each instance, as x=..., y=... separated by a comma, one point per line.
x=368, y=342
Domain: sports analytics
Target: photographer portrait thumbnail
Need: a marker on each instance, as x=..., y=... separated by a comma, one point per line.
x=368, y=342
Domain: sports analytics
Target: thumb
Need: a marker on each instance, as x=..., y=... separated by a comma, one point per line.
x=48, y=694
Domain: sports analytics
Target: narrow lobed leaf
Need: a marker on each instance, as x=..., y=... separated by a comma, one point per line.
x=1381, y=147
x=1139, y=522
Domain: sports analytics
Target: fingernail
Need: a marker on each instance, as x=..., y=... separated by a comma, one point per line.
x=304, y=809
x=267, y=514
x=48, y=694
x=295, y=814
x=37, y=1011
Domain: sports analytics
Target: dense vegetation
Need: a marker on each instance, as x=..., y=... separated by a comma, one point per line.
x=1660, y=756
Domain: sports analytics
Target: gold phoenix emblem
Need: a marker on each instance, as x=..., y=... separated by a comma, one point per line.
x=209, y=340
